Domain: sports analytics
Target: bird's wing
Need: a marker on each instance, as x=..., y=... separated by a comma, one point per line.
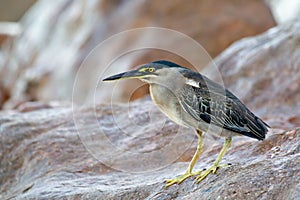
x=216, y=105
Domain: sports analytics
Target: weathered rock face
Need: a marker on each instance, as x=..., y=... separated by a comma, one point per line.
x=52, y=151
x=58, y=35
x=264, y=71
x=42, y=156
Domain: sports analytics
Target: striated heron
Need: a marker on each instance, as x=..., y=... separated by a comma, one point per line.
x=191, y=99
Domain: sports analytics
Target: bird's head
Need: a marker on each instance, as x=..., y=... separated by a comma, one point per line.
x=148, y=72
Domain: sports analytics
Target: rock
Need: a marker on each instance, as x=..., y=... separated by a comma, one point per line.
x=127, y=151
x=41, y=146
x=214, y=24
x=279, y=10
x=12, y=11
x=47, y=155
x=264, y=70
x=58, y=35
x=3, y=95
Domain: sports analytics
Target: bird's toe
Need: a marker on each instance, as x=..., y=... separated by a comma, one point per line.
x=178, y=179
x=213, y=169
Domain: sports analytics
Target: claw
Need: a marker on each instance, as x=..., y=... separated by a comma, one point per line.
x=213, y=169
x=178, y=179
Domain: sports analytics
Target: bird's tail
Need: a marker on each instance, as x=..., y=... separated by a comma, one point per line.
x=258, y=127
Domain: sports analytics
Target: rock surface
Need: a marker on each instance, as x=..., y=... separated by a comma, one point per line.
x=44, y=156
x=265, y=70
x=58, y=36
x=127, y=151
x=50, y=151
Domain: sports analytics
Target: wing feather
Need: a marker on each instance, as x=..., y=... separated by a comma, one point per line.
x=214, y=104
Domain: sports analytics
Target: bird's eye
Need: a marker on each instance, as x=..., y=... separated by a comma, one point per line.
x=151, y=69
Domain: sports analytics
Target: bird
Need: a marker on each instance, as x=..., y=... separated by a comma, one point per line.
x=192, y=100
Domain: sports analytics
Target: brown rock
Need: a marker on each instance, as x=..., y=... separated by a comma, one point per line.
x=44, y=155
x=13, y=10
x=127, y=151
x=264, y=72
x=3, y=95
x=214, y=24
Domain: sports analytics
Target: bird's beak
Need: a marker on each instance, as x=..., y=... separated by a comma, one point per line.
x=127, y=75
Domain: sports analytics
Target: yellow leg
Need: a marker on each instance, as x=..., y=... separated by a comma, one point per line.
x=189, y=170
x=213, y=169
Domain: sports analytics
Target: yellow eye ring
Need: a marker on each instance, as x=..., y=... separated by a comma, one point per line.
x=151, y=69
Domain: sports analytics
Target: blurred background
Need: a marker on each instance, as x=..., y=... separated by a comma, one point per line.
x=43, y=43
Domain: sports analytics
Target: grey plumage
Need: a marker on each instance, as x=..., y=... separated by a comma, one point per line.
x=216, y=105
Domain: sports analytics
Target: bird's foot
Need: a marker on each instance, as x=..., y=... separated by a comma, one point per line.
x=213, y=169
x=178, y=179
